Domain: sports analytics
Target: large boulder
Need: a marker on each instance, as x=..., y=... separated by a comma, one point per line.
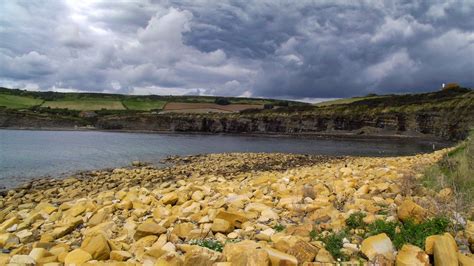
x=182, y=230
x=245, y=253
x=199, y=256
x=411, y=255
x=378, y=245
x=8, y=240
x=149, y=227
x=443, y=248
x=222, y=226
x=409, y=210
x=235, y=219
x=303, y=251
x=465, y=260
x=77, y=257
x=170, y=198
x=279, y=258
x=97, y=245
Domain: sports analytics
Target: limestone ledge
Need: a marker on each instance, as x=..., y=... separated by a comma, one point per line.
x=150, y=216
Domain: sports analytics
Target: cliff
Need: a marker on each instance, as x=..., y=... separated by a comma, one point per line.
x=446, y=115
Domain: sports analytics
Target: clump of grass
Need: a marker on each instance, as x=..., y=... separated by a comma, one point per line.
x=333, y=243
x=355, y=220
x=409, y=232
x=313, y=235
x=279, y=227
x=208, y=243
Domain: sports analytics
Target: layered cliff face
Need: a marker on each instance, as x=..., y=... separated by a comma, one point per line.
x=447, y=115
x=438, y=124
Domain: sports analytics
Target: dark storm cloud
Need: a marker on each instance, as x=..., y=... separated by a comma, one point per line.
x=251, y=48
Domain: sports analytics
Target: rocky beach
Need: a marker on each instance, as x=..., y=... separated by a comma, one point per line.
x=240, y=209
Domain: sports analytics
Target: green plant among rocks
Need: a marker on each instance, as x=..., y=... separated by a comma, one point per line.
x=208, y=243
x=409, y=232
x=279, y=227
x=313, y=235
x=355, y=220
x=333, y=242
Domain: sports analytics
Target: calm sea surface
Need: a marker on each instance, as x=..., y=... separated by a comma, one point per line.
x=28, y=154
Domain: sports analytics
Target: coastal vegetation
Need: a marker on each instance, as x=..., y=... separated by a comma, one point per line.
x=454, y=173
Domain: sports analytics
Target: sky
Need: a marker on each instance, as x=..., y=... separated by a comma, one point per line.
x=267, y=48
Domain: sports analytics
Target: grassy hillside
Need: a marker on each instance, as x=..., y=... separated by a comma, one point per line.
x=85, y=104
x=346, y=100
x=144, y=104
x=18, y=102
x=455, y=173
x=22, y=99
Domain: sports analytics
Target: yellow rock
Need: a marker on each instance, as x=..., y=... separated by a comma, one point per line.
x=170, y=259
x=76, y=210
x=445, y=250
x=235, y=219
x=465, y=260
x=255, y=206
x=470, y=232
x=303, y=251
x=265, y=234
x=97, y=218
x=197, y=195
x=324, y=256
x=47, y=260
x=58, y=249
x=144, y=242
x=221, y=226
x=77, y=257
x=182, y=230
x=8, y=239
x=23, y=260
x=4, y=259
x=284, y=243
x=279, y=258
x=45, y=207
x=105, y=228
x=245, y=253
x=97, y=246
x=191, y=209
x=377, y=245
x=120, y=255
x=445, y=194
x=149, y=228
x=199, y=256
x=412, y=255
x=37, y=253
x=410, y=210
x=8, y=223
x=170, y=198
x=66, y=229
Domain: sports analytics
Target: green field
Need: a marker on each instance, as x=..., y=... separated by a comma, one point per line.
x=18, y=102
x=143, y=104
x=345, y=100
x=16, y=98
x=86, y=104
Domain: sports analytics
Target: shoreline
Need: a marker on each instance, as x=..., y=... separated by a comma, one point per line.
x=265, y=206
x=310, y=135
